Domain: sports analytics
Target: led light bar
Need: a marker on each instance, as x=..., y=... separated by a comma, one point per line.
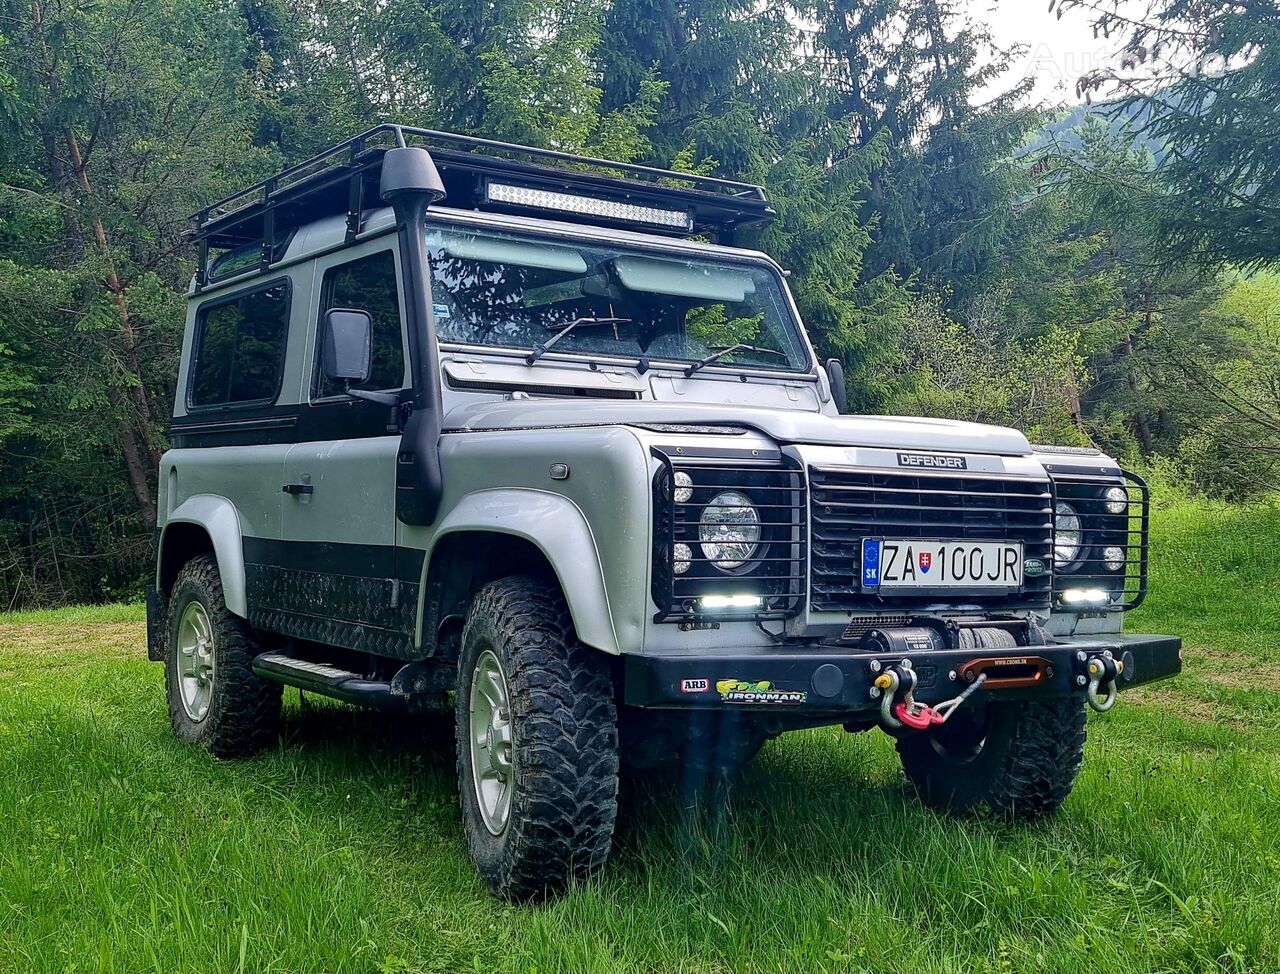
x=546, y=199
x=1085, y=596
x=731, y=601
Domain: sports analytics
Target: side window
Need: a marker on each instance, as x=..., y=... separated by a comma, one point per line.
x=239, y=348
x=369, y=284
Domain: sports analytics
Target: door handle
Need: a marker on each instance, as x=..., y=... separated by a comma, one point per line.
x=298, y=489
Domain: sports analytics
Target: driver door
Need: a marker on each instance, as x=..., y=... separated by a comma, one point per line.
x=340, y=479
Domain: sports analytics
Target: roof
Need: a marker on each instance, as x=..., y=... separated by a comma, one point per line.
x=480, y=174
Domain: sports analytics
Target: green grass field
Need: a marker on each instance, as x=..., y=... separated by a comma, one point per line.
x=121, y=850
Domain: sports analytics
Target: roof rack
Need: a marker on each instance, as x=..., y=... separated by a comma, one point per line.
x=480, y=174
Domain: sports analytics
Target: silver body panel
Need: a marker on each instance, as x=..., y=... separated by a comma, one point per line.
x=595, y=527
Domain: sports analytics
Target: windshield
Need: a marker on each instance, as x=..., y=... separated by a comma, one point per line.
x=500, y=288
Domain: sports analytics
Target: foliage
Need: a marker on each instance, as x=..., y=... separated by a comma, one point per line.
x=1207, y=73
x=976, y=370
x=958, y=262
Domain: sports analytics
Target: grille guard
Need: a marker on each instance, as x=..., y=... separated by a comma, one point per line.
x=776, y=572
x=1100, y=530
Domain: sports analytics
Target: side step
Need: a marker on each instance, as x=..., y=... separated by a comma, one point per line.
x=329, y=681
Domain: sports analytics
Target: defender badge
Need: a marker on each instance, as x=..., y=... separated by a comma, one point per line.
x=934, y=461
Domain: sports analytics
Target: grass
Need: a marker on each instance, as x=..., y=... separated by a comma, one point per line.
x=341, y=849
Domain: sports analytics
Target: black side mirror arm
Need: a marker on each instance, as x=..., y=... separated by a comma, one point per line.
x=388, y=399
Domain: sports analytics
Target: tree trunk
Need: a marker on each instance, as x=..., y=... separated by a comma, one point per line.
x=128, y=338
x=135, y=427
x=136, y=468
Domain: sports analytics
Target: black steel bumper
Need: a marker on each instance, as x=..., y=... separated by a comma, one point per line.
x=838, y=679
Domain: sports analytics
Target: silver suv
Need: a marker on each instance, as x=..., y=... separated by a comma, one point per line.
x=457, y=415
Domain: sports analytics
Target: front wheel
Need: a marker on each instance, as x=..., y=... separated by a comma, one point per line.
x=1016, y=760
x=537, y=742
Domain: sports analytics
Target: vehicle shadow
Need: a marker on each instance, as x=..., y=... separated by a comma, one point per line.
x=815, y=810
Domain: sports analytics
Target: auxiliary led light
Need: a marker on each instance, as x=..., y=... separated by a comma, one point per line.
x=1114, y=556
x=546, y=199
x=1116, y=499
x=680, y=563
x=1085, y=596
x=684, y=487
x=731, y=602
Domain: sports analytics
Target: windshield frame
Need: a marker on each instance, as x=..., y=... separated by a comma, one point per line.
x=444, y=217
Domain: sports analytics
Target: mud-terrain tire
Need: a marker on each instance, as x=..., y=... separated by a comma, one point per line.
x=1014, y=760
x=561, y=762
x=241, y=711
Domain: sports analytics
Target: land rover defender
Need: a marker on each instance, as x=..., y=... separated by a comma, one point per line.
x=461, y=416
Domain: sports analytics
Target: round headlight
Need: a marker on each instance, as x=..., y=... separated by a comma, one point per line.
x=1116, y=500
x=1066, y=535
x=729, y=530
x=684, y=487
x=680, y=563
x=1114, y=556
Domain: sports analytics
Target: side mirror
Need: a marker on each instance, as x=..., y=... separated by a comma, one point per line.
x=835, y=377
x=347, y=346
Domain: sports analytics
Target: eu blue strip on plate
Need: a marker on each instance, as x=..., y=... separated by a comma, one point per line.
x=870, y=561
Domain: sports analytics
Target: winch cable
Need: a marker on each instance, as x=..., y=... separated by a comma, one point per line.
x=949, y=707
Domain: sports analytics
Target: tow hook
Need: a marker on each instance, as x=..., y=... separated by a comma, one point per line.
x=1101, y=690
x=898, y=706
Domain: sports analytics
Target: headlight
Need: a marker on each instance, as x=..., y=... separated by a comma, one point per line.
x=1066, y=535
x=1116, y=500
x=729, y=530
x=1114, y=556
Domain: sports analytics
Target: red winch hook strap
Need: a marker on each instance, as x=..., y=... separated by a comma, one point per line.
x=919, y=718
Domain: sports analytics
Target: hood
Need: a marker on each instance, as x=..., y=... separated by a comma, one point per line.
x=784, y=426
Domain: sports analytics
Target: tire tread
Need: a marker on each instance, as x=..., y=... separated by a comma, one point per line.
x=244, y=715
x=565, y=803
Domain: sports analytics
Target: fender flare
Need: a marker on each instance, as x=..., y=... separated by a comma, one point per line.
x=556, y=527
x=220, y=521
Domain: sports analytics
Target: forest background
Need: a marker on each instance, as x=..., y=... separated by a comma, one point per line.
x=1104, y=275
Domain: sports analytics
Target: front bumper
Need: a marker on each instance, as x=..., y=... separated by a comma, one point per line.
x=837, y=680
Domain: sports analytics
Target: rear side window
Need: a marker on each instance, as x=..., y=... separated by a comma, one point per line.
x=369, y=284
x=239, y=348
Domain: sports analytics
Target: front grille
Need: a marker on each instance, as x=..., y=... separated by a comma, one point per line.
x=850, y=505
x=859, y=626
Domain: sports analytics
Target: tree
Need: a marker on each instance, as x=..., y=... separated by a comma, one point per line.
x=1207, y=73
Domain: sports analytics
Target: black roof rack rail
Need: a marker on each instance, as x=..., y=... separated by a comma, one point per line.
x=344, y=180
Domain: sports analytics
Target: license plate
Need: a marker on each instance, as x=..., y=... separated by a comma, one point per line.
x=907, y=563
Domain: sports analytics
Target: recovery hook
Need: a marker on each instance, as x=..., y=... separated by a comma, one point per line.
x=894, y=687
x=897, y=711
x=1102, y=691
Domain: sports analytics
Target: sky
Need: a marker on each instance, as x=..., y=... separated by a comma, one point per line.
x=1059, y=51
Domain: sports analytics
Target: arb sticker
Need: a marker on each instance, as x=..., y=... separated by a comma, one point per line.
x=695, y=686
x=757, y=691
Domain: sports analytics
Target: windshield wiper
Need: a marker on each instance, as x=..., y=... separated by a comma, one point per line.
x=541, y=350
x=720, y=351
